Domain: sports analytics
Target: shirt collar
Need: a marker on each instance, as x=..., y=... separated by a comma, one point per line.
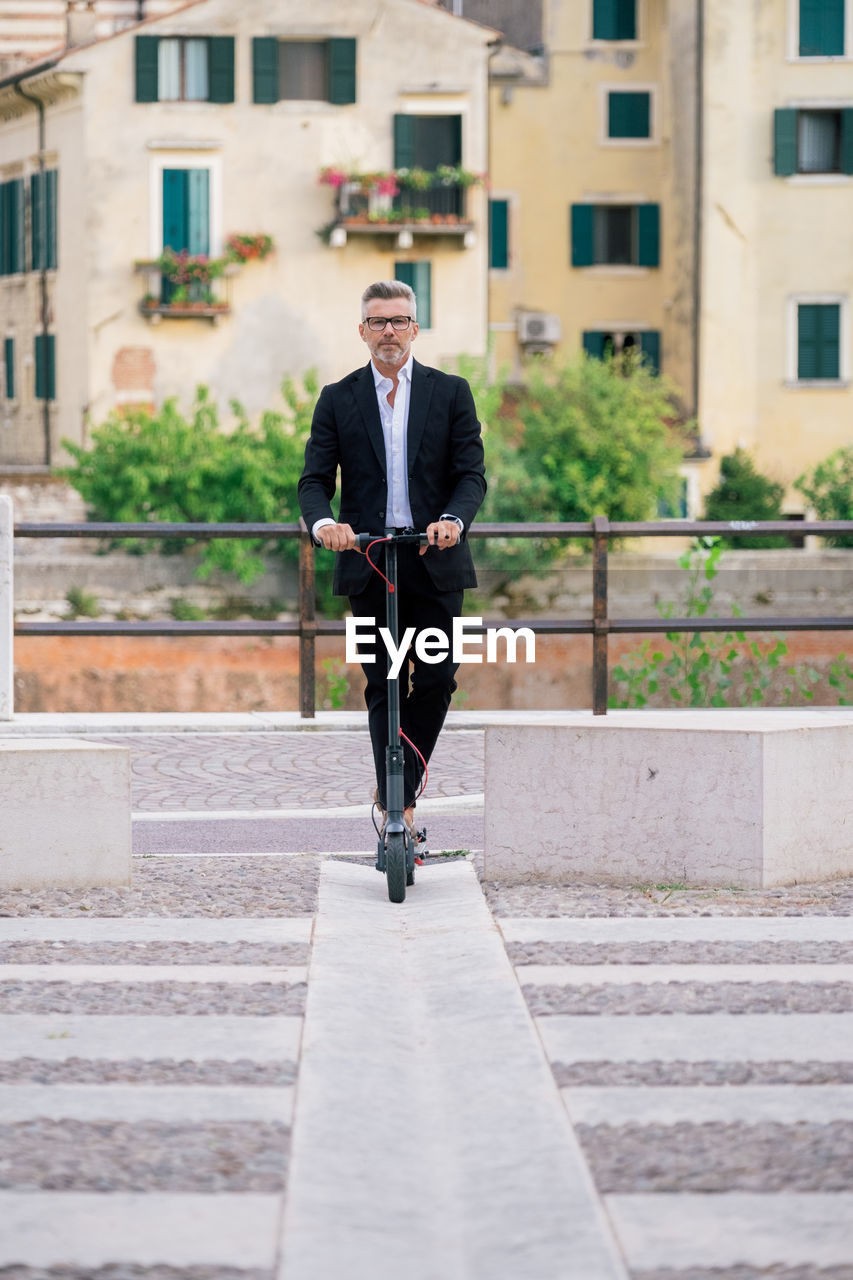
x=405, y=371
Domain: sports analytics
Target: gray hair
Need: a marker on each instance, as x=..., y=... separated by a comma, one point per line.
x=388, y=289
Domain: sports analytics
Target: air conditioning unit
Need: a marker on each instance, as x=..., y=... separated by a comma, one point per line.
x=536, y=328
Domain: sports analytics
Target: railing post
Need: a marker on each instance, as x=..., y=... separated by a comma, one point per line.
x=600, y=622
x=7, y=610
x=307, y=625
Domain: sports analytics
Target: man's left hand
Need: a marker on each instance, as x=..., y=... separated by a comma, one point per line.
x=442, y=534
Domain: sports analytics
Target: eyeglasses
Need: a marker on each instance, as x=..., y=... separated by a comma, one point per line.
x=378, y=323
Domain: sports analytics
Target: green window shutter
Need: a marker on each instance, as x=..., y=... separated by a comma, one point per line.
x=221, y=68
x=499, y=234
x=264, y=69
x=175, y=209
x=821, y=28
x=614, y=20
x=818, y=349
x=593, y=343
x=847, y=140
x=45, y=353
x=629, y=115
x=146, y=68
x=37, y=223
x=582, y=217
x=198, y=210
x=9, y=365
x=418, y=276
x=648, y=235
x=342, y=70
x=784, y=141
x=650, y=347
x=404, y=141
x=4, y=266
x=51, y=219
x=20, y=198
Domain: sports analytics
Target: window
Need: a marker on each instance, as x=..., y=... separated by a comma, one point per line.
x=678, y=511
x=818, y=342
x=184, y=69
x=45, y=353
x=304, y=70
x=9, y=367
x=812, y=141
x=615, y=235
x=418, y=276
x=614, y=19
x=821, y=28
x=424, y=142
x=186, y=219
x=499, y=234
x=601, y=345
x=43, y=233
x=12, y=227
x=629, y=115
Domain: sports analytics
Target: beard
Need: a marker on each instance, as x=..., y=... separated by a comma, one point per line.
x=391, y=353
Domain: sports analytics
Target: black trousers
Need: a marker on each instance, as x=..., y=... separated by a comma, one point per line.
x=425, y=688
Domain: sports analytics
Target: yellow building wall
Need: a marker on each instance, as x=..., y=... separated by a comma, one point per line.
x=549, y=149
x=768, y=240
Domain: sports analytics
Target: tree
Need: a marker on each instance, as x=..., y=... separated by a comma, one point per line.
x=829, y=489
x=593, y=437
x=741, y=494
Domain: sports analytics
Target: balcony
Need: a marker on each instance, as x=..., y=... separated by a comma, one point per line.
x=196, y=300
x=403, y=206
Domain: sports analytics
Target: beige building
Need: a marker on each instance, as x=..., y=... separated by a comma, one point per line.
x=675, y=175
x=212, y=121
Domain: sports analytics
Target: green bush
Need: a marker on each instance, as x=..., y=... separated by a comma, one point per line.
x=829, y=490
x=165, y=467
x=744, y=494
x=593, y=437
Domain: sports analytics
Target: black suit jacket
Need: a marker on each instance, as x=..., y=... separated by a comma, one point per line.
x=445, y=468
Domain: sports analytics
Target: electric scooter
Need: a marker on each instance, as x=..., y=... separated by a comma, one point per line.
x=395, y=851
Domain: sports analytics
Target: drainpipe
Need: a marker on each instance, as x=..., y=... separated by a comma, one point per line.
x=140, y=10
x=45, y=310
x=697, y=197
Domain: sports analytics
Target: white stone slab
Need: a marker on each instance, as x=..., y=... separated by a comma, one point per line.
x=759, y=929
x=716, y=797
x=734, y=1228
x=168, y=1104
x=49, y=1229
x=620, y=975
x=427, y=806
x=710, y=1104
x=57, y=1036
x=64, y=814
x=7, y=610
x=96, y=929
x=707, y=1037
x=426, y=1141
x=232, y=974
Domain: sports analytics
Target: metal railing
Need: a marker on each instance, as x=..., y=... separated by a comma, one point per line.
x=307, y=626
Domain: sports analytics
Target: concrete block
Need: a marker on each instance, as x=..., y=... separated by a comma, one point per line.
x=7, y=611
x=64, y=814
x=752, y=798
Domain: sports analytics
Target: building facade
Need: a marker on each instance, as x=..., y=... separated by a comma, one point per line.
x=675, y=176
x=213, y=121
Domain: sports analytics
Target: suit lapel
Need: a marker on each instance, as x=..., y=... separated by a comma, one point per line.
x=364, y=390
x=419, y=401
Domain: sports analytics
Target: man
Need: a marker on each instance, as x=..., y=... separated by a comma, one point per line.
x=407, y=441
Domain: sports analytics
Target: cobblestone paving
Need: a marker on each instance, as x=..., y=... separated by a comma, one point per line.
x=199, y=998
x=691, y=997
x=214, y=887
x=111, y=1156
x=219, y=771
x=824, y=898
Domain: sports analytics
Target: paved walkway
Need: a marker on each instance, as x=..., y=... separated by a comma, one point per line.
x=254, y=1067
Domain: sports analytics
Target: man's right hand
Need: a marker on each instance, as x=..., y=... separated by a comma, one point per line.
x=337, y=537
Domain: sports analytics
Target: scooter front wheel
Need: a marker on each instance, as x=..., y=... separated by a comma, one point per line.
x=395, y=867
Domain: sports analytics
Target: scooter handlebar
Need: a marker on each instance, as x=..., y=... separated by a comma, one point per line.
x=363, y=540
